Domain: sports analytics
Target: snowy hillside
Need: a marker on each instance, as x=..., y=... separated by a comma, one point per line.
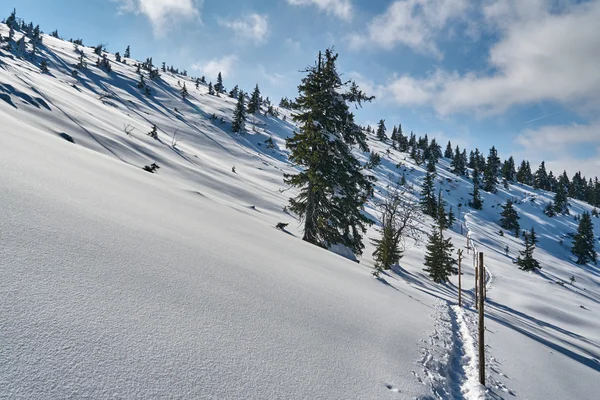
x=119, y=283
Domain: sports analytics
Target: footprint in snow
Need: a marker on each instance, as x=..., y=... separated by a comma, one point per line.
x=392, y=388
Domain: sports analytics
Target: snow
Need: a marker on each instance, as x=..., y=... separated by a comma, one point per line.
x=118, y=283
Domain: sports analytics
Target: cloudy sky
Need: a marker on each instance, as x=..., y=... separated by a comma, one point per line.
x=523, y=75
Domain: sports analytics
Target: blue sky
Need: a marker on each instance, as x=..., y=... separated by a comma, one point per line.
x=522, y=75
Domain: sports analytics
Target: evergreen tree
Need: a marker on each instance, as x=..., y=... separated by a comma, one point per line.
x=540, y=180
x=435, y=151
x=239, y=116
x=490, y=173
x=508, y=170
x=402, y=140
x=584, y=246
x=235, y=92
x=44, y=66
x=11, y=21
x=254, y=103
x=533, y=237
x=476, y=202
x=381, y=131
x=211, y=91
x=457, y=163
x=561, y=200
x=428, y=201
x=525, y=260
x=441, y=215
x=448, y=153
x=141, y=84
x=333, y=189
x=118, y=57
x=510, y=218
x=154, y=132
x=219, y=85
x=438, y=259
x=184, y=92
x=394, y=137
x=127, y=53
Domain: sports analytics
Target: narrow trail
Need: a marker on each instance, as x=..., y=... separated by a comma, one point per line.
x=450, y=362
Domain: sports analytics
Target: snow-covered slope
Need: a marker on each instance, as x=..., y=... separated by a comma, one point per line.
x=118, y=283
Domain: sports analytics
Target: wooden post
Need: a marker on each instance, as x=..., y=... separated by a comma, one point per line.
x=460, y=254
x=476, y=284
x=481, y=324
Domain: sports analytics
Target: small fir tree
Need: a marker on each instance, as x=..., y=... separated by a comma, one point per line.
x=448, y=153
x=438, y=258
x=219, y=85
x=127, y=53
x=476, y=201
x=239, y=116
x=381, y=131
x=254, y=103
x=184, y=92
x=525, y=260
x=428, y=201
x=510, y=218
x=584, y=246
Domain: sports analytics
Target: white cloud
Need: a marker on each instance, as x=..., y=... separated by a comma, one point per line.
x=211, y=68
x=540, y=56
x=340, y=8
x=413, y=23
x=559, y=143
x=162, y=13
x=253, y=27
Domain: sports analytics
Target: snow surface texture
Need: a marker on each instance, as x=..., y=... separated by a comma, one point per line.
x=118, y=283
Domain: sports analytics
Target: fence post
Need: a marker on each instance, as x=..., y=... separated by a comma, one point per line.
x=481, y=324
x=460, y=254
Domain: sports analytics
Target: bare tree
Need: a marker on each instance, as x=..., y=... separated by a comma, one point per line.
x=400, y=220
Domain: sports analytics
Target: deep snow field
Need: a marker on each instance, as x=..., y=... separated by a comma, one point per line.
x=118, y=283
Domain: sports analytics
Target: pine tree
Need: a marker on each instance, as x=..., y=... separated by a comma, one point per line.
x=11, y=21
x=254, y=103
x=141, y=84
x=211, y=91
x=525, y=260
x=234, y=93
x=184, y=92
x=239, y=117
x=510, y=218
x=381, y=131
x=44, y=66
x=561, y=200
x=394, y=137
x=428, y=201
x=476, y=202
x=448, y=153
x=442, y=217
x=540, y=179
x=438, y=259
x=533, y=237
x=219, y=85
x=127, y=53
x=154, y=132
x=457, y=163
x=333, y=189
x=584, y=246
x=435, y=150
x=490, y=173
x=508, y=170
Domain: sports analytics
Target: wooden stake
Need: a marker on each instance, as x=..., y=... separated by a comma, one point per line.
x=481, y=325
x=476, y=286
x=460, y=253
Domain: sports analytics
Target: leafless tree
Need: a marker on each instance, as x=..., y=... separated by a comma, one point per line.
x=400, y=220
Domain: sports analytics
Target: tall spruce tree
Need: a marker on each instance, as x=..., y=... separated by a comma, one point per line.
x=476, y=202
x=438, y=258
x=448, y=153
x=561, y=200
x=333, y=189
x=584, y=243
x=540, y=179
x=525, y=260
x=508, y=170
x=254, y=103
x=219, y=85
x=428, y=201
x=381, y=131
x=239, y=116
x=490, y=173
x=510, y=218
